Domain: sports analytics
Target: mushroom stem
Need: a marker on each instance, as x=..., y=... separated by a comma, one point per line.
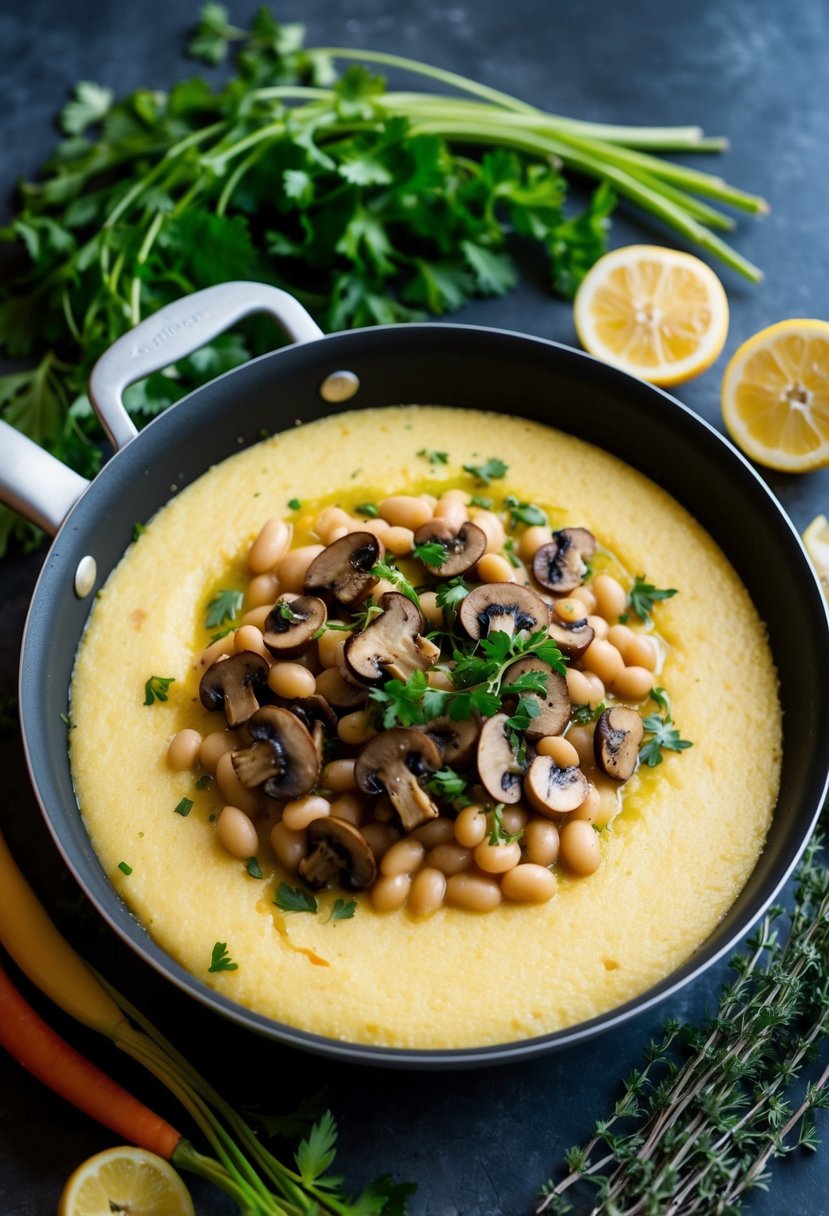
x=256, y=764
x=409, y=799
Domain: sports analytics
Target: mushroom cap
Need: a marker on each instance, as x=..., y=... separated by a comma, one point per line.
x=288, y=634
x=313, y=709
x=456, y=740
x=282, y=757
x=391, y=644
x=232, y=682
x=505, y=606
x=343, y=570
x=499, y=768
x=571, y=637
x=559, y=565
x=553, y=790
x=464, y=546
x=616, y=741
x=392, y=763
x=555, y=704
x=338, y=854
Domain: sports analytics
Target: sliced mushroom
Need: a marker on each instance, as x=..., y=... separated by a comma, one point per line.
x=554, y=705
x=560, y=565
x=616, y=740
x=456, y=740
x=464, y=546
x=340, y=688
x=393, y=763
x=343, y=570
x=338, y=856
x=499, y=767
x=553, y=790
x=571, y=637
x=507, y=607
x=392, y=645
x=282, y=757
x=317, y=716
x=291, y=624
x=233, y=682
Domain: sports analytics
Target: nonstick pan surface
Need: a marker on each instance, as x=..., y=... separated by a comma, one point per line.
x=457, y=366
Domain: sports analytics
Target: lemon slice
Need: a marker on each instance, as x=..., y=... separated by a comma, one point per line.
x=816, y=540
x=655, y=312
x=128, y=1180
x=775, y=396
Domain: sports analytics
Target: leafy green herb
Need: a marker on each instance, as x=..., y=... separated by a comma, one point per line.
x=583, y=714
x=448, y=785
x=509, y=550
x=479, y=500
x=203, y=781
x=294, y=504
x=286, y=612
x=156, y=688
x=498, y=834
x=224, y=606
x=124, y=868
x=644, y=595
x=65, y=719
x=220, y=960
x=317, y=1152
x=340, y=910
x=697, y=1124
x=389, y=572
x=664, y=736
x=449, y=595
x=431, y=553
x=138, y=530
x=222, y=633
x=184, y=807
x=661, y=698
x=294, y=899
x=434, y=457
x=491, y=470
x=368, y=509
x=523, y=512
x=253, y=868
x=365, y=203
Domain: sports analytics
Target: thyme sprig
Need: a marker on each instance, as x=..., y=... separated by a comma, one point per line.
x=697, y=1126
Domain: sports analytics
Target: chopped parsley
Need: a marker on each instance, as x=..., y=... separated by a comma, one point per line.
x=479, y=500
x=491, y=470
x=294, y=899
x=664, y=737
x=393, y=575
x=509, y=550
x=294, y=504
x=184, y=807
x=368, y=509
x=524, y=512
x=137, y=530
x=156, y=688
x=124, y=868
x=220, y=960
x=583, y=714
x=498, y=834
x=644, y=595
x=449, y=785
x=253, y=868
x=203, y=781
x=340, y=910
x=223, y=607
x=434, y=457
x=431, y=553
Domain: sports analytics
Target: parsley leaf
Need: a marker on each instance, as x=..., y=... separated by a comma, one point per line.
x=316, y=1153
x=583, y=714
x=253, y=868
x=644, y=595
x=294, y=899
x=491, y=470
x=431, y=553
x=125, y=868
x=449, y=595
x=664, y=735
x=393, y=575
x=156, y=688
x=184, y=807
x=369, y=509
x=434, y=457
x=448, y=784
x=340, y=910
x=498, y=834
x=223, y=607
x=220, y=959
x=524, y=512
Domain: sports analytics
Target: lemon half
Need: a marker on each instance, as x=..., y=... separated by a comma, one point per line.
x=816, y=540
x=775, y=396
x=655, y=312
x=128, y=1180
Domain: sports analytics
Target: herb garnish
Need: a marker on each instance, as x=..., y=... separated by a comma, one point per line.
x=138, y=529
x=498, y=834
x=389, y=572
x=184, y=807
x=479, y=500
x=492, y=470
x=220, y=960
x=431, y=553
x=287, y=613
x=223, y=607
x=369, y=509
x=434, y=457
x=523, y=512
x=294, y=504
x=294, y=899
x=156, y=688
x=583, y=714
x=449, y=785
x=340, y=910
x=124, y=868
x=203, y=781
x=509, y=550
x=253, y=868
x=664, y=734
x=644, y=595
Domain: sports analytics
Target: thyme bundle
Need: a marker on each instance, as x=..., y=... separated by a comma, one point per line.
x=697, y=1127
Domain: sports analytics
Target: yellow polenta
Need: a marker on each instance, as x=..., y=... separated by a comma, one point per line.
x=672, y=864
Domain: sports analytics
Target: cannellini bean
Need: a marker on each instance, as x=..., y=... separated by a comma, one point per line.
x=580, y=848
x=331, y=645
x=453, y=511
x=291, y=680
x=441, y=680
x=611, y=597
x=532, y=539
x=294, y=565
x=570, y=610
x=585, y=594
x=599, y=626
x=541, y=841
x=450, y=858
x=270, y=545
x=492, y=528
x=470, y=826
x=475, y=892
x=621, y=637
x=642, y=653
x=497, y=858
x=561, y=750
x=406, y=511
x=216, y=650
x=379, y=837
x=431, y=610
x=435, y=832
x=301, y=811
x=236, y=832
x=514, y=819
x=604, y=660
x=356, y=727
x=332, y=686
x=578, y=687
x=184, y=749
x=427, y=892
x=404, y=857
x=596, y=687
x=529, y=884
x=329, y=521
x=231, y=788
x=338, y=776
x=264, y=589
x=348, y=807
x=377, y=527
x=493, y=568
x=399, y=541
x=380, y=588
x=581, y=738
x=289, y=846
x=214, y=746
x=633, y=684
x=248, y=637
x=390, y=892
x=258, y=616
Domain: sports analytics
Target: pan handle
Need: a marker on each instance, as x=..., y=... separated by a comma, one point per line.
x=176, y=331
x=34, y=483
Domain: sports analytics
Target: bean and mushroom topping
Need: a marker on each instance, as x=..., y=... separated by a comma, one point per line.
x=475, y=688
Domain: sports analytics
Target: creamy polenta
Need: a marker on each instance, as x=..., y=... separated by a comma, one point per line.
x=672, y=863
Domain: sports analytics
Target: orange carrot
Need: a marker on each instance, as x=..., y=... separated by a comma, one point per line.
x=52, y=1060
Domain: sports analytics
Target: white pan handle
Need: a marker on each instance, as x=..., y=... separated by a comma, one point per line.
x=34, y=483
x=176, y=331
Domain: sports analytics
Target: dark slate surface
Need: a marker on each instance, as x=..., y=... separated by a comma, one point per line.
x=477, y=1143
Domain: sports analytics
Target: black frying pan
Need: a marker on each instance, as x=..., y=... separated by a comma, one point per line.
x=456, y=366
